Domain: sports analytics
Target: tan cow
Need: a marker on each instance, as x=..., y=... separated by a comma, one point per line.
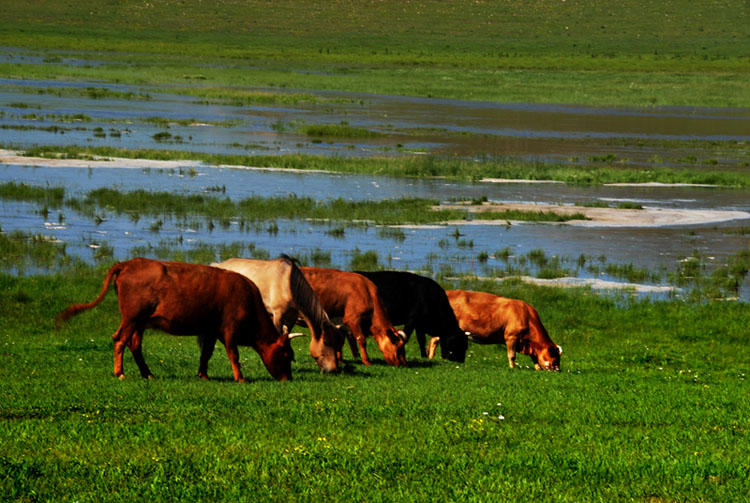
x=490, y=319
x=287, y=294
x=354, y=299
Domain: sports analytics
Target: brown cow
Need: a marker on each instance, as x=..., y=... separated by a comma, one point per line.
x=189, y=299
x=489, y=319
x=287, y=294
x=355, y=300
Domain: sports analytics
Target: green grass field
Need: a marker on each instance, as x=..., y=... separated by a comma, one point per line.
x=651, y=405
x=588, y=51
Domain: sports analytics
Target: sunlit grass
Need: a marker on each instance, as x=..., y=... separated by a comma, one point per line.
x=641, y=410
x=632, y=53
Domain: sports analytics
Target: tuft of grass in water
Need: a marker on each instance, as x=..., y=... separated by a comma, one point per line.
x=725, y=280
x=316, y=258
x=631, y=273
x=528, y=216
x=47, y=196
x=629, y=205
x=341, y=130
x=336, y=232
x=364, y=261
x=20, y=250
x=393, y=233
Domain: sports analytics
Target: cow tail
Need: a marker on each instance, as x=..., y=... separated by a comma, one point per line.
x=74, y=309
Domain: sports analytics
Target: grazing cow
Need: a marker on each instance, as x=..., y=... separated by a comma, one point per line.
x=189, y=299
x=489, y=319
x=420, y=304
x=287, y=294
x=354, y=299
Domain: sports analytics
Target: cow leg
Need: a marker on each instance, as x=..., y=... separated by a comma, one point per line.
x=511, y=341
x=362, y=346
x=434, y=341
x=357, y=333
x=207, y=345
x=352, y=340
x=536, y=362
x=234, y=359
x=135, y=349
x=421, y=339
x=120, y=339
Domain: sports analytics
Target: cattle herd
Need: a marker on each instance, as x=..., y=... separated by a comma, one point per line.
x=244, y=302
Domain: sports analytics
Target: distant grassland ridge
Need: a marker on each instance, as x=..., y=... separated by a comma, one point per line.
x=585, y=51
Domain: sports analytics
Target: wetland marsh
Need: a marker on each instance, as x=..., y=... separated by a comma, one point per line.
x=467, y=150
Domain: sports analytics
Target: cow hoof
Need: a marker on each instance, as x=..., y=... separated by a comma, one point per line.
x=121, y=377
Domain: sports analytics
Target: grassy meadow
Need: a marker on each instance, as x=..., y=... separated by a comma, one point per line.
x=587, y=52
x=651, y=405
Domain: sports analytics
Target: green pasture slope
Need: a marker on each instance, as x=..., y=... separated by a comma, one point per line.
x=633, y=52
x=652, y=404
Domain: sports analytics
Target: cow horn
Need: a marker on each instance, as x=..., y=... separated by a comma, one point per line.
x=559, y=349
x=296, y=334
x=402, y=336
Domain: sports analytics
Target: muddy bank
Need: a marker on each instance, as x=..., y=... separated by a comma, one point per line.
x=608, y=217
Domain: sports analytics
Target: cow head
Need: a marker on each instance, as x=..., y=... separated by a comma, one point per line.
x=278, y=357
x=393, y=347
x=323, y=349
x=549, y=358
x=454, y=348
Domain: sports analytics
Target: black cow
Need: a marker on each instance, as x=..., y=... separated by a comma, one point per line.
x=420, y=304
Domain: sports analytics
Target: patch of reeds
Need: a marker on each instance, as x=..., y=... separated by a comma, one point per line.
x=704, y=282
x=528, y=216
x=631, y=273
x=421, y=166
x=393, y=233
x=364, y=261
x=20, y=250
x=48, y=196
x=340, y=130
